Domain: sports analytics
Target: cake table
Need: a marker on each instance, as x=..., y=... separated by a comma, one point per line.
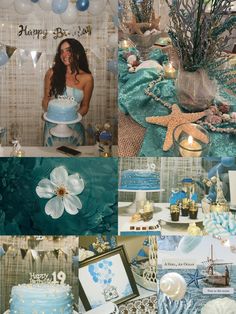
x=62, y=129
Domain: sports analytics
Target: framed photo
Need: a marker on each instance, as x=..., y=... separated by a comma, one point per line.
x=106, y=277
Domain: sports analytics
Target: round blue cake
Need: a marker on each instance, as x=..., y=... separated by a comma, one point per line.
x=41, y=298
x=62, y=110
x=139, y=180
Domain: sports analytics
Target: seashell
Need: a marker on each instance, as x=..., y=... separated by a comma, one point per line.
x=150, y=64
x=194, y=230
x=84, y=254
x=131, y=70
x=226, y=117
x=219, y=306
x=147, y=33
x=173, y=285
x=224, y=107
x=233, y=115
x=188, y=243
x=131, y=59
x=214, y=119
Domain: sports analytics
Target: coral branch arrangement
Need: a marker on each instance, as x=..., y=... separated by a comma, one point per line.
x=200, y=30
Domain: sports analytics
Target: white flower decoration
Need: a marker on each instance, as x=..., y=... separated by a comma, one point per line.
x=62, y=190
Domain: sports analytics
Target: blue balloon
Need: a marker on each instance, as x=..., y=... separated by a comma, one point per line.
x=228, y=161
x=82, y=5
x=59, y=6
x=3, y=58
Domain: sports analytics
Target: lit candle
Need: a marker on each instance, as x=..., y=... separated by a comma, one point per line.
x=124, y=44
x=20, y=153
x=190, y=148
x=169, y=70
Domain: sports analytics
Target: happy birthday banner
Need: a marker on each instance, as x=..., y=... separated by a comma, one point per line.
x=57, y=32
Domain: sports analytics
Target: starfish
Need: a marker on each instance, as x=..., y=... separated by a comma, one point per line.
x=155, y=23
x=134, y=27
x=176, y=118
x=194, y=278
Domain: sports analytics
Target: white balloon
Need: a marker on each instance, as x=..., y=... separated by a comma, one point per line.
x=114, y=5
x=70, y=15
x=23, y=6
x=45, y=5
x=5, y=3
x=97, y=7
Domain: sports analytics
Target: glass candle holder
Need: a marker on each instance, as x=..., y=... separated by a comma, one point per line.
x=170, y=71
x=196, y=144
x=174, y=212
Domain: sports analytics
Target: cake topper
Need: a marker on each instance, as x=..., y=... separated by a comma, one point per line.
x=44, y=278
x=64, y=97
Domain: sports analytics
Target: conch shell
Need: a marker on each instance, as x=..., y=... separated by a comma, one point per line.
x=173, y=285
x=220, y=306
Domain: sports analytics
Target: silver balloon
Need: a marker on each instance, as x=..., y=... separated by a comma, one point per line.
x=45, y=5
x=97, y=7
x=23, y=6
x=70, y=15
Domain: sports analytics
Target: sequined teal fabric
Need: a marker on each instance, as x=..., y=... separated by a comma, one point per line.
x=133, y=101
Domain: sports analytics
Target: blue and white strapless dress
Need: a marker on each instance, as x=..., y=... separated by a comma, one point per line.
x=78, y=137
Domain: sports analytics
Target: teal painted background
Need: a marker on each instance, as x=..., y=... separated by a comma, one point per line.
x=22, y=211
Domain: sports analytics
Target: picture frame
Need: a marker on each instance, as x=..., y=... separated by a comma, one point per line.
x=106, y=277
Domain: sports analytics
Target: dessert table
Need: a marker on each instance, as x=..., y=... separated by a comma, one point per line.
x=43, y=151
x=136, y=136
x=160, y=216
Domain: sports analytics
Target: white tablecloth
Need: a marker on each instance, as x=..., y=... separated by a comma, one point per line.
x=42, y=151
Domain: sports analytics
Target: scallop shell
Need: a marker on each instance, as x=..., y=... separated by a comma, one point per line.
x=173, y=285
x=219, y=306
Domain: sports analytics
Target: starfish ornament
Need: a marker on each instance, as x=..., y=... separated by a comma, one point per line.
x=134, y=27
x=176, y=118
x=155, y=23
x=194, y=278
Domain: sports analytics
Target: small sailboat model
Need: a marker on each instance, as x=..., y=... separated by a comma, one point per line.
x=213, y=277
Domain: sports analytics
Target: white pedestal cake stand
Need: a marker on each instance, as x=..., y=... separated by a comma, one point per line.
x=62, y=129
x=141, y=195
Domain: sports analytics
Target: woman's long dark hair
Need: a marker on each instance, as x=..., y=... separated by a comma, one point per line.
x=79, y=61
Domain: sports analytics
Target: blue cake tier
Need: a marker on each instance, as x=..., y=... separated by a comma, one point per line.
x=139, y=180
x=41, y=298
x=62, y=110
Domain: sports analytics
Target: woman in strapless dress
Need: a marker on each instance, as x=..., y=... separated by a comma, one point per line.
x=70, y=76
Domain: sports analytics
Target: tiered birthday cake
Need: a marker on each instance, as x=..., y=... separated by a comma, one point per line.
x=140, y=180
x=41, y=298
x=62, y=109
